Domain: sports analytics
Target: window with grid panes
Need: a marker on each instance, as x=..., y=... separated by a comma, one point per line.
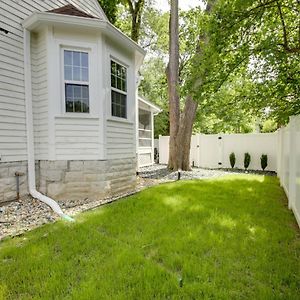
x=118, y=90
x=76, y=81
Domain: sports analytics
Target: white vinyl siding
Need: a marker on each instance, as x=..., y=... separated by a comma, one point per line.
x=12, y=100
x=145, y=158
x=58, y=136
x=77, y=138
x=120, y=139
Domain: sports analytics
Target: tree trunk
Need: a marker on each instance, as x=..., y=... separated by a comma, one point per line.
x=184, y=135
x=173, y=80
x=134, y=27
x=181, y=127
x=136, y=11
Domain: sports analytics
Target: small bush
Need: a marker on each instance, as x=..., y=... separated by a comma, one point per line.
x=247, y=159
x=264, y=161
x=232, y=159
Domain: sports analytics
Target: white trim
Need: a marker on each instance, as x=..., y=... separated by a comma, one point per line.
x=152, y=137
x=145, y=150
x=52, y=64
x=147, y=130
x=75, y=82
x=29, y=113
x=125, y=93
x=76, y=116
x=119, y=61
x=153, y=107
x=119, y=120
x=100, y=93
x=38, y=19
x=74, y=45
x=118, y=91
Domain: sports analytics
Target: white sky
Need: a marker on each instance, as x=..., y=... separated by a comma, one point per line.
x=183, y=4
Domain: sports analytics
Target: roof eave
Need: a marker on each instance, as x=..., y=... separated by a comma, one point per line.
x=45, y=18
x=155, y=108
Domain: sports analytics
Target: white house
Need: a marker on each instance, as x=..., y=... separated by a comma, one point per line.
x=68, y=100
x=146, y=112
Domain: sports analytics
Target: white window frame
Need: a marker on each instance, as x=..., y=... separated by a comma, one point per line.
x=145, y=130
x=112, y=59
x=64, y=81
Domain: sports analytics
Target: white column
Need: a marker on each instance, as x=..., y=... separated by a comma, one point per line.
x=152, y=137
x=29, y=113
x=53, y=86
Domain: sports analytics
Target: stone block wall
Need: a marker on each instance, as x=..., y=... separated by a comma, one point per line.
x=91, y=180
x=8, y=181
x=71, y=180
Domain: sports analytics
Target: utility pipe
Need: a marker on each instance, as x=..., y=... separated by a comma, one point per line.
x=18, y=174
x=30, y=137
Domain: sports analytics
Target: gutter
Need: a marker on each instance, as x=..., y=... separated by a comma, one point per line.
x=30, y=136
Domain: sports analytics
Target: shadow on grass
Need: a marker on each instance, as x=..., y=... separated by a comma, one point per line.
x=225, y=239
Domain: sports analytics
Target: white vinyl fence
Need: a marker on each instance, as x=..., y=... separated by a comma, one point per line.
x=212, y=150
x=288, y=169
x=282, y=148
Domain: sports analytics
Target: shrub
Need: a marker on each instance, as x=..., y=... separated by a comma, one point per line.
x=247, y=160
x=232, y=159
x=264, y=161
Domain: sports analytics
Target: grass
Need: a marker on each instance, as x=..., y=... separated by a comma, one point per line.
x=231, y=238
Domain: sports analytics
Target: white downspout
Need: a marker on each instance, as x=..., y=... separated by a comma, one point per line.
x=30, y=137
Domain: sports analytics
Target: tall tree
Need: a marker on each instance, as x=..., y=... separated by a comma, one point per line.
x=255, y=40
x=130, y=11
x=181, y=125
x=173, y=83
x=136, y=8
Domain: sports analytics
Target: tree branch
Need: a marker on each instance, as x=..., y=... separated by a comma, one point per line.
x=285, y=36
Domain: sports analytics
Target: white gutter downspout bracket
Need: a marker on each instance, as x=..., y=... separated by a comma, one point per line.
x=30, y=137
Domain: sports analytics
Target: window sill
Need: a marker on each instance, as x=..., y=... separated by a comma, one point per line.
x=76, y=116
x=119, y=120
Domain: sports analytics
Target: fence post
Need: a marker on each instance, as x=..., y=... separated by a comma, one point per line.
x=160, y=149
x=199, y=150
x=278, y=157
x=283, y=166
x=292, y=163
x=221, y=150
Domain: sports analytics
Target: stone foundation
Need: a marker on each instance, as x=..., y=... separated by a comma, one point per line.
x=92, y=180
x=71, y=180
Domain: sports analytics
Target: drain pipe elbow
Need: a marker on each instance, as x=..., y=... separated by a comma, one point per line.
x=50, y=202
x=30, y=136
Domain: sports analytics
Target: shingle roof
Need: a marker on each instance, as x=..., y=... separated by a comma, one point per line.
x=71, y=10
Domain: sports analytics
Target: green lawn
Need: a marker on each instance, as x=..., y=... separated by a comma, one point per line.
x=231, y=238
